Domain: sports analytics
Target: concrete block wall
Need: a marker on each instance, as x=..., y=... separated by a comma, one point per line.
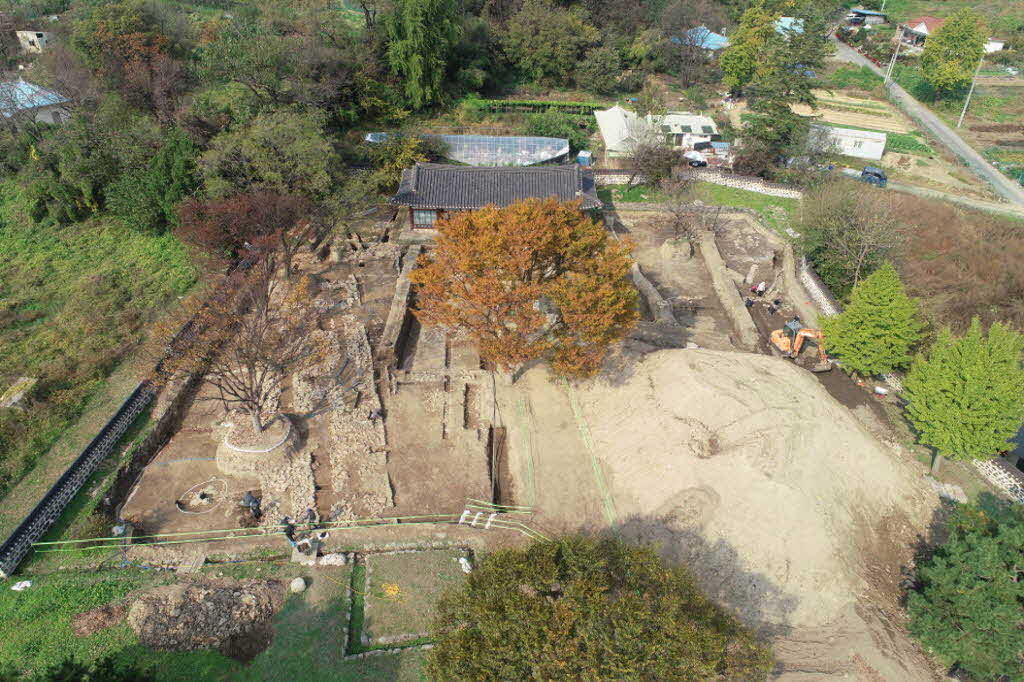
x=67, y=486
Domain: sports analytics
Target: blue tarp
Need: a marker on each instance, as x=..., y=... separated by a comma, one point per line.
x=706, y=38
x=19, y=95
x=794, y=24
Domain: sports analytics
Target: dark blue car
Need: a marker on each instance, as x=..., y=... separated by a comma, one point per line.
x=874, y=176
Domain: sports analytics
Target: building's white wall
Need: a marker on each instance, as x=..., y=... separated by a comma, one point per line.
x=52, y=114
x=860, y=148
x=31, y=41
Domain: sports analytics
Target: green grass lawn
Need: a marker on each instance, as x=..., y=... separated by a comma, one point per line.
x=854, y=77
x=73, y=301
x=418, y=579
x=777, y=212
x=35, y=630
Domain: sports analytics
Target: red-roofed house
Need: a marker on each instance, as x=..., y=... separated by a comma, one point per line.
x=916, y=31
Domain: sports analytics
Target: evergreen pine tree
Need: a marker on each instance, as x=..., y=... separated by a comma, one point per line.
x=969, y=600
x=879, y=328
x=966, y=399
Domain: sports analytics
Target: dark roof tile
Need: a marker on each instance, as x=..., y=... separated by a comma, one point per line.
x=434, y=185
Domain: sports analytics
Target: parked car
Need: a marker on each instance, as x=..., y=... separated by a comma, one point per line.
x=695, y=159
x=874, y=176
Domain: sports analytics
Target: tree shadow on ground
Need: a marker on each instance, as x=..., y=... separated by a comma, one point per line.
x=720, y=571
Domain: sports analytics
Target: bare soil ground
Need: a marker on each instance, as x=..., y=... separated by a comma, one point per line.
x=683, y=280
x=778, y=487
x=438, y=420
x=745, y=468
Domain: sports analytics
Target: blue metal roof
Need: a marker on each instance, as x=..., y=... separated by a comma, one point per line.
x=704, y=37
x=19, y=95
x=794, y=24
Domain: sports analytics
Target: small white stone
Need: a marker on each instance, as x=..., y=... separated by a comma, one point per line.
x=297, y=585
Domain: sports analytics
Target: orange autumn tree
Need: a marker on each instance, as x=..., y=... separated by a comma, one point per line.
x=537, y=279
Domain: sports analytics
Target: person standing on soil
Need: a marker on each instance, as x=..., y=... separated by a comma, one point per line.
x=289, y=530
x=310, y=518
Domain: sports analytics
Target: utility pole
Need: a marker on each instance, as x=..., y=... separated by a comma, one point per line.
x=967, y=102
x=895, y=54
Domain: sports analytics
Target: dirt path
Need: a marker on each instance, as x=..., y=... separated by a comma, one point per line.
x=1011, y=210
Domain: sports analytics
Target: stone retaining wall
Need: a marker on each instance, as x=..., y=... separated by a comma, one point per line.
x=397, y=325
x=1003, y=476
x=713, y=175
x=661, y=308
x=747, y=336
x=751, y=184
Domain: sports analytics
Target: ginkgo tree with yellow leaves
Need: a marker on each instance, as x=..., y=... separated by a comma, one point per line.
x=538, y=279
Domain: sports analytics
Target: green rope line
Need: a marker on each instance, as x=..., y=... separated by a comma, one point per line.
x=531, y=478
x=160, y=544
x=499, y=506
x=498, y=523
x=234, y=530
x=495, y=510
x=451, y=518
x=522, y=528
x=608, y=505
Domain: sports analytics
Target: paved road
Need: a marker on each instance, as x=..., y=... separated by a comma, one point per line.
x=976, y=163
x=1011, y=210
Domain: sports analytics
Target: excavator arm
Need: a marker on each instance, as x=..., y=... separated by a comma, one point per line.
x=792, y=349
x=819, y=341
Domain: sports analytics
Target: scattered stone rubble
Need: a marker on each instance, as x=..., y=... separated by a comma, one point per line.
x=358, y=448
x=186, y=617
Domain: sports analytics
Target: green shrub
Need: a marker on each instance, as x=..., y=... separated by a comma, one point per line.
x=602, y=609
x=879, y=328
x=554, y=123
x=967, y=604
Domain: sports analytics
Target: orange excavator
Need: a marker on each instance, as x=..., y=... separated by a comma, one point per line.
x=791, y=338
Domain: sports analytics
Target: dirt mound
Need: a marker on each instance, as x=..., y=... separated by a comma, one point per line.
x=231, y=617
x=100, y=618
x=745, y=468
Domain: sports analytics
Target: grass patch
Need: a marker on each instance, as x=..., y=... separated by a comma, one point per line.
x=777, y=212
x=35, y=631
x=35, y=625
x=854, y=77
x=634, y=194
x=73, y=301
x=908, y=143
x=401, y=592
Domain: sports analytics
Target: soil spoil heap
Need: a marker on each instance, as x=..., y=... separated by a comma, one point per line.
x=742, y=466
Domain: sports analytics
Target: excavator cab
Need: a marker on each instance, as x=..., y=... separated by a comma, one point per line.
x=791, y=338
